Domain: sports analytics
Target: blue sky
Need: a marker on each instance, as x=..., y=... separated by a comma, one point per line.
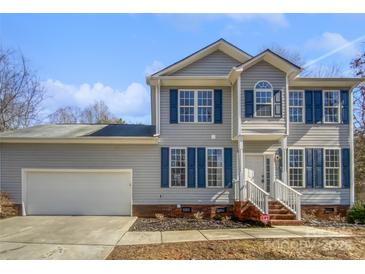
x=81, y=58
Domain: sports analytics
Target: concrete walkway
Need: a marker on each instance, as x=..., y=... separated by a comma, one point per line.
x=280, y=232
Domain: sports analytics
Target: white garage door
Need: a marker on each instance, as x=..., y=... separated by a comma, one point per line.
x=77, y=192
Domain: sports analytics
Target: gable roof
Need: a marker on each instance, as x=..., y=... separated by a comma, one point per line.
x=81, y=133
x=221, y=44
x=274, y=59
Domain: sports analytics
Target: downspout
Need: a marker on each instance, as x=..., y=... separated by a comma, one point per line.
x=352, y=155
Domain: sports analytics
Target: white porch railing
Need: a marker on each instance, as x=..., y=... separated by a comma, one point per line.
x=289, y=197
x=236, y=188
x=257, y=196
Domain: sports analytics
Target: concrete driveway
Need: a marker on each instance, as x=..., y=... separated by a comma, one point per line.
x=61, y=237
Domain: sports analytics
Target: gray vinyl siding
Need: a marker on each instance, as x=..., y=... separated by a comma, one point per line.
x=249, y=77
x=216, y=63
x=196, y=134
x=325, y=196
x=143, y=159
x=318, y=135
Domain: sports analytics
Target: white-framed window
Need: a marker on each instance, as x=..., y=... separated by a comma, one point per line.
x=178, y=167
x=186, y=106
x=214, y=166
x=205, y=106
x=296, y=106
x=332, y=170
x=331, y=106
x=296, y=167
x=263, y=99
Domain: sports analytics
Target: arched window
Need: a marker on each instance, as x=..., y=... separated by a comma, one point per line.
x=263, y=99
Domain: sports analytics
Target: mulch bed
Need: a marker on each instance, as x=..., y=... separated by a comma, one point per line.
x=293, y=249
x=153, y=224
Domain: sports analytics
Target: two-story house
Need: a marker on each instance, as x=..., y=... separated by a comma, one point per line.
x=231, y=133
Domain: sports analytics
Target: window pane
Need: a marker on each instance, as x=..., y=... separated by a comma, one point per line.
x=263, y=97
x=215, y=167
x=331, y=98
x=331, y=114
x=263, y=85
x=205, y=106
x=186, y=106
x=178, y=167
x=296, y=168
x=263, y=110
x=332, y=170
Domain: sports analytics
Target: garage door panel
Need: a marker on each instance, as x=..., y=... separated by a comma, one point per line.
x=77, y=192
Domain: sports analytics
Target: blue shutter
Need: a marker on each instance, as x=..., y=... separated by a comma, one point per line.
x=248, y=103
x=317, y=99
x=164, y=167
x=218, y=113
x=201, y=167
x=318, y=167
x=228, y=172
x=309, y=107
x=191, y=167
x=345, y=168
x=309, y=168
x=345, y=106
x=277, y=103
x=173, y=106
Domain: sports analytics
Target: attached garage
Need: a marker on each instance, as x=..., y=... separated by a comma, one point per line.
x=77, y=191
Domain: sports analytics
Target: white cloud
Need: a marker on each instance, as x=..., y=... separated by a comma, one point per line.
x=154, y=67
x=332, y=41
x=277, y=19
x=131, y=104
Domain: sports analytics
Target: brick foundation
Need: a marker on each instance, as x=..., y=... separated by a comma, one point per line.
x=324, y=212
x=246, y=211
x=174, y=212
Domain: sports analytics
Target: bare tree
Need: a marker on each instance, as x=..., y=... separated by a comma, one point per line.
x=292, y=55
x=65, y=115
x=332, y=70
x=97, y=113
x=20, y=92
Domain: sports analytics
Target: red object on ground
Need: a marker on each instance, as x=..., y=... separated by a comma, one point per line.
x=265, y=218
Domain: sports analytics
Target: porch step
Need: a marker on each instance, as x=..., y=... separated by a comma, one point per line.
x=280, y=215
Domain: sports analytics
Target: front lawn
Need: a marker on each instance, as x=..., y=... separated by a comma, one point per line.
x=297, y=249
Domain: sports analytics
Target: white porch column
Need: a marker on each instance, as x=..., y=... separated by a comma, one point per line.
x=284, y=146
x=242, y=184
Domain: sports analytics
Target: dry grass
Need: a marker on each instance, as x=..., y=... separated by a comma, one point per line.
x=295, y=249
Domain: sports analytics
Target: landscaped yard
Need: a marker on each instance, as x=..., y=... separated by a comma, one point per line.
x=320, y=248
x=166, y=224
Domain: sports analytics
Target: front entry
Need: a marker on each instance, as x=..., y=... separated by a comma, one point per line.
x=259, y=169
x=254, y=169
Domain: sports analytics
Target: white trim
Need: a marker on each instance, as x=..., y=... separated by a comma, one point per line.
x=158, y=110
x=206, y=167
x=339, y=168
x=196, y=105
x=303, y=167
x=302, y=107
x=186, y=167
x=324, y=107
x=239, y=109
x=91, y=170
x=263, y=90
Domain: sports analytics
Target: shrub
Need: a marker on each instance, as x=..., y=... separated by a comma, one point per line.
x=356, y=213
x=198, y=216
x=160, y=217
x=225, y=219
x=7, y=208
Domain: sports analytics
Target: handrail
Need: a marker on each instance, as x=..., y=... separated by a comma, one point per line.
x=258, y=197
x=236, y=188
x=289, y=197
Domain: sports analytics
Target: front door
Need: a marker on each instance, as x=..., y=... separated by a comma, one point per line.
x=254, y=169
